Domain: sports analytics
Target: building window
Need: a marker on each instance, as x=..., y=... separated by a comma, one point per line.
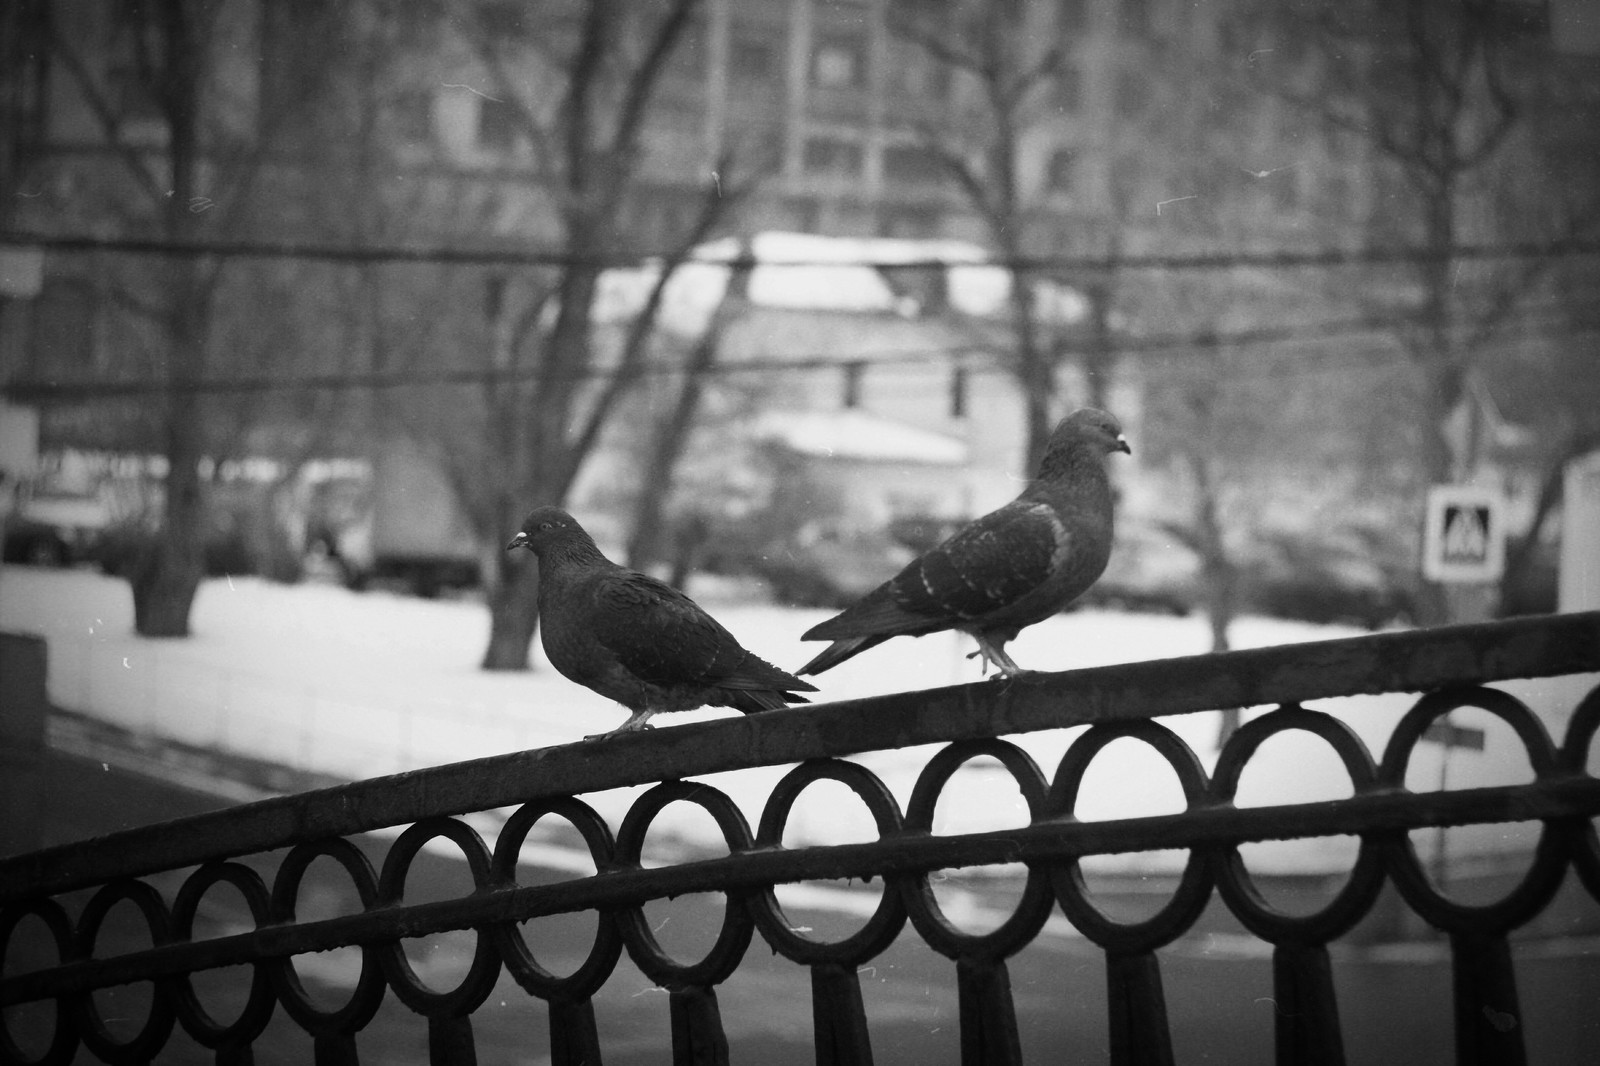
x=1061, y=171
x=831, y=155
x=497, y=125
x=838, y=63
x=502, y=19
x=958, y=391
x=913, y=223
x=494, y=297
x=63, y=326
x=911, y=164
x=1133, y=93
x=753, y=59
x=1134, y=17
x=131, y=95
x=1283, y=188
x=853, y=373
x=914, y=73
x=1069, y=88
x=413, y=110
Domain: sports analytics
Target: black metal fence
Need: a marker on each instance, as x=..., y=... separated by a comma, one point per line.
x=1449, y=666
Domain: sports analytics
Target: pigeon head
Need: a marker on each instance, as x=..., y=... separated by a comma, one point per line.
x=546, y=528
x=1092, y=426
x=1088, y=429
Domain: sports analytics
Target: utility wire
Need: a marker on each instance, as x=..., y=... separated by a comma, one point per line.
x=439, y=254
x=1167, y=347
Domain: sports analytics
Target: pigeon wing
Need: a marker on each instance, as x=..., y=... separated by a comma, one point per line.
x=988, y=565
x=663, y=637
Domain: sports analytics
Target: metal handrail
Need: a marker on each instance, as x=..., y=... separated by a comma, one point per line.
x=1406, y=661
x=1448, y=665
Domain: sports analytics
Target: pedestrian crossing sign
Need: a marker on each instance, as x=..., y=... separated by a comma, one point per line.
x=1465, y=539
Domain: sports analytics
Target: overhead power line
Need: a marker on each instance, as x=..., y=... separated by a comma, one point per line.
x=1167, y=345
x=457, y=256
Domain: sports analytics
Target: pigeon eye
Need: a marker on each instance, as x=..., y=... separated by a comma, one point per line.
x=547, y=525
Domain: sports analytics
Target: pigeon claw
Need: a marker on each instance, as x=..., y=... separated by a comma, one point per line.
x=639, y=720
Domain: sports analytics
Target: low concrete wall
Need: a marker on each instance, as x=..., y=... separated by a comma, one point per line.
x=24, y=705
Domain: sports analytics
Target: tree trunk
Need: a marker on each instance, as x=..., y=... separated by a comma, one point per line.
x=168, y=574
x=1035, y=372
x=513, y=612
x=645, y=545
x=1098, y=360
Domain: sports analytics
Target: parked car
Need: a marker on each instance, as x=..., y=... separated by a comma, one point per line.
x=46, y=528
x=1358, y=579
x=832, y=571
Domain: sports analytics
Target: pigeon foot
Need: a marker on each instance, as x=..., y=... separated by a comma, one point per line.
x=639, y=720
x=994, y=654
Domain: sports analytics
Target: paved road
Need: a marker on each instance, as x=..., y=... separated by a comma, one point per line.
x=1395, y=1004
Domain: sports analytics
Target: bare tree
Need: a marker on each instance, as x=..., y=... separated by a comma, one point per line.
x=193, y=184
x=24, y=81
x=647, y=539
x=1011, y=70
x=585, y=110
x=1435, y=91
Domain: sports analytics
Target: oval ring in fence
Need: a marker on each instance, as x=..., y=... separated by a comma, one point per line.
x=737, y=925
x=1072, y=892
x=64, y=1037
x=1032, y=909
x=485, y=967
x=1574, y=760
x=1234, y=883
x=368, y=995
x=257, y=1011
x=1549, y=859
x=607, y=947
x=886, y=922
x=158, y=1025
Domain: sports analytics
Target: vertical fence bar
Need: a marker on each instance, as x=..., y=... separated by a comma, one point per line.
x=697, y=1036
x=1488, y=1016
x=450, y=1041
x=1138, y=1010
x=1307, y=1027
x=334, y=1049
x=236, y=1055
x=988, y=1016
x=838, y=1017
x=574, y=1040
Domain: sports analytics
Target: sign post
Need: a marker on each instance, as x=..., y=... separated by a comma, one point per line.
x=1464, y=540
x=1463, y=543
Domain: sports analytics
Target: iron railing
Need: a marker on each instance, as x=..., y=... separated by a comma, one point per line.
x=1449, y=666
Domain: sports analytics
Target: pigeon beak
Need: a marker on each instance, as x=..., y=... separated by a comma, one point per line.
x=518, y=541
x=1122, y=444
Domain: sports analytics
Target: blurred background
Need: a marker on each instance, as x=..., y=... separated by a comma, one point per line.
x=774, y=293
x=304, y=304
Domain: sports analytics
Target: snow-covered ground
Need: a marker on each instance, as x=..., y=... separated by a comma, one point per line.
x=323, y=679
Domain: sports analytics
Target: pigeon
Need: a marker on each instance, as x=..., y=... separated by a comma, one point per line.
x=638, y=640
x=1005, y=571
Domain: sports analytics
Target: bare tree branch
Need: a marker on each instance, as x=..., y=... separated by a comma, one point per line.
x=110, y=122
x=715, y=203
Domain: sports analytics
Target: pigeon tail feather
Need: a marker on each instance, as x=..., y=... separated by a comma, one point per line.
x=877, y=615
x=755, y=673
x=839, y=651
x=754, y=701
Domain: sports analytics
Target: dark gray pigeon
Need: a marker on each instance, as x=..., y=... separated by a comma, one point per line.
x=637, y=640
x=1005, y=571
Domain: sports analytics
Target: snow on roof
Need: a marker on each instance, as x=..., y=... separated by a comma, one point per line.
x=691, y=295
x=822, y=273
x=803, y=270
x=855, y=434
